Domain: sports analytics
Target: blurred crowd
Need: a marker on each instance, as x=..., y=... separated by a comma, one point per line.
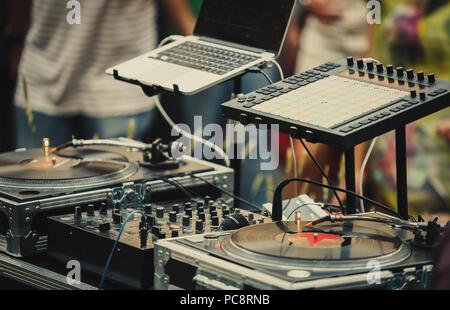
x=53, y=83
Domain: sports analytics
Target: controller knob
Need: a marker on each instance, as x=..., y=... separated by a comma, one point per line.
x=186, y=221
x=160, y=212
x=350, y=61
x=380, y=68
x=420, y=76
x=199, y=225
x=410, y=74
x=431, y=78
x=215, y=220
x=399, y=71
x=360, y=63
x=172, y=216
x=390, y=69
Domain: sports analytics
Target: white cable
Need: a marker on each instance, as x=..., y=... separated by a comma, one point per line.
x=361, y=171
x=190, y=136
x=169, y=38
x=178, y=129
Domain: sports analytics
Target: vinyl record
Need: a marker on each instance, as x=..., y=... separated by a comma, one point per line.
x=71, y=168
x=327, y=246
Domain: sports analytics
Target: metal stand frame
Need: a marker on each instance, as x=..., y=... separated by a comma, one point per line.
x=402, y=184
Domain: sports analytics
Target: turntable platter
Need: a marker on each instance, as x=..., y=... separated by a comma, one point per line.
x=68, y=169
x=324, y=246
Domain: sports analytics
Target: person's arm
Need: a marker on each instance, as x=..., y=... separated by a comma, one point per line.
x=19, y=23
x=180, y=15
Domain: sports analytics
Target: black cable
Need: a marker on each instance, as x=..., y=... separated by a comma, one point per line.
x=179, y=186
x=258, y=209
x=324, y=174
x=277, y=196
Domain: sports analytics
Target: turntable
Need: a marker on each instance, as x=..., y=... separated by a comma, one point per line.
x=37, y=183
x=352, y=254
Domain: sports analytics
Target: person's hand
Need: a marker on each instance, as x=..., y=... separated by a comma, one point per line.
x=327, y=11
x=444, y=130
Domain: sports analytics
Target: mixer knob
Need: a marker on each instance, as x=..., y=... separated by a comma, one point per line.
x=215, y=220
x=202, y=216
x=77, y=213
x=188, y=212
x=187, y=205
x=379, y=68
x=148, y=208
x=420, y=76
x=207, y=199
x=200, y=209
x=90, y=209
x=143, y=234
x=186, y=221
x=176, y=208
x=172, y=216
x=117, y=218
x=103, y=208
x=431, y=78
x=390, y=69
x=413, y=94
x=200, y=204
x=104, y=227
x=151, y=220
x=399, y=71
x=175, y=233
x=422, y=96
x=210, y=204
x=350, y=61
x=370, y=65
x=199, y=225
x=147, y=194
x=213, y=213
x=360, y=63
x=410, y=74
x=225, y=212
x=213, y=207
x=160, y=212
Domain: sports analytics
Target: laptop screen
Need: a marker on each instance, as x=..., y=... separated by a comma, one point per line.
x=255, y=23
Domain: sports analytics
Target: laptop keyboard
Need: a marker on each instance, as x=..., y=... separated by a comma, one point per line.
x=205, y=57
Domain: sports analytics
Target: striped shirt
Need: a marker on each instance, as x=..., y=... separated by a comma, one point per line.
x=64, y=64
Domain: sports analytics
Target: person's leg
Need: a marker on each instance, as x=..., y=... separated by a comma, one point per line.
x=137, y=126
x=31, y=128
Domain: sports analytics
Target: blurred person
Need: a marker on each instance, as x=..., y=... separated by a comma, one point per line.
x=415, y=34
x=62, y=89
x=323, y=31
x=420, y=27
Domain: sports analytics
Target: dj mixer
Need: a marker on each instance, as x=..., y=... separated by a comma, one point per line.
x=343, y=103
x=88, y=237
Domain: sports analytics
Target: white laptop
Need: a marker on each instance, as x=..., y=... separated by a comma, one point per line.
x=230, y=36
